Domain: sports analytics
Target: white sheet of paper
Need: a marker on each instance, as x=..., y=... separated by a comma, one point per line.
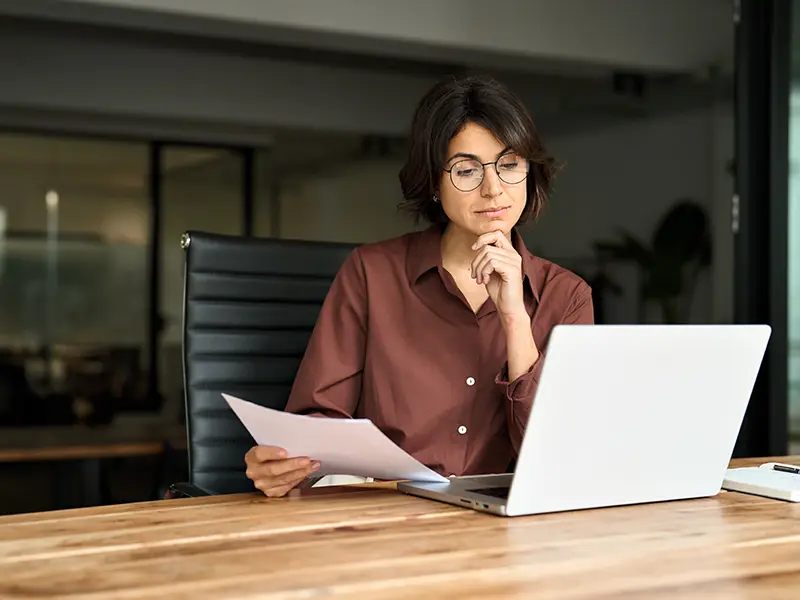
x=342, y=446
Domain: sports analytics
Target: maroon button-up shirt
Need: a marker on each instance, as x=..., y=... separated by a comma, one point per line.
x=397, y=343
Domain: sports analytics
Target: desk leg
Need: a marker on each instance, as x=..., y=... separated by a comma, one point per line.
x=63, y=496
x=86, y=477
x=91, y=479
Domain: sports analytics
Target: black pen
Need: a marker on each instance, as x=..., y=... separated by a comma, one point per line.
x=786, y=469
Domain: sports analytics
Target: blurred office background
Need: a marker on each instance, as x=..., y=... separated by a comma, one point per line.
x=124, y=123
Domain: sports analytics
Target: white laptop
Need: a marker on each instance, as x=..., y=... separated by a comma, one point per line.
x=624, y=414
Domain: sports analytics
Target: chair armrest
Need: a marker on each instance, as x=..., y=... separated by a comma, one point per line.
x=185, y=490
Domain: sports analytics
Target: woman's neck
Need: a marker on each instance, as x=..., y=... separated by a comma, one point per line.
x=456, y=247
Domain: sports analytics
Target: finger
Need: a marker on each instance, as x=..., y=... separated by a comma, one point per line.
x=260, y=454
x=504, y=266
x=480, y=267
x=270, y=487
x=511, y=252
x=290, y=479
x=509, y=257
x=499, y=260
x=486, y=273
x=294, y=477
x=477, y=260
x=480, y=257
x=502, y=241
x=483, y=240
x=274, y=468
x=279, y=492
x=493, y=238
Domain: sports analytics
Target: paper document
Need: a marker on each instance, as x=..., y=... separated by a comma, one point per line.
x=764, y=480
x=342, y=446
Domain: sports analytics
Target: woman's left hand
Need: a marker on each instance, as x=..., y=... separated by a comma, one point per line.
x=498, y=266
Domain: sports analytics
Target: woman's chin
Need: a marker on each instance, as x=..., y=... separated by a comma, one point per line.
x=481, y=226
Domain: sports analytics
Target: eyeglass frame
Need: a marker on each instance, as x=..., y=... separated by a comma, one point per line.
x=483, y=175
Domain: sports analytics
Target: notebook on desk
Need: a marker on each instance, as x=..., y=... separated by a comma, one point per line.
x=772, y=480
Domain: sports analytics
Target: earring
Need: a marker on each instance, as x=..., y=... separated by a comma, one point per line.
x=435, y=198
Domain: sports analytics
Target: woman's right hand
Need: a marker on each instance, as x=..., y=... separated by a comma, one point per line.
x=273, y=473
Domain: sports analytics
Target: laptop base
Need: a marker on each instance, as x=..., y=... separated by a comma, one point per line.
x=466, y=492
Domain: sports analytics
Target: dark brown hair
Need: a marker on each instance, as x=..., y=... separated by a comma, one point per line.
x=442, y=113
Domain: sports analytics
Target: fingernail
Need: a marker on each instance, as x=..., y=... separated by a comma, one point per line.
x=315, y=466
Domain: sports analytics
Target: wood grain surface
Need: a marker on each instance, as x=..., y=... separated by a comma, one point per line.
x=370, y=541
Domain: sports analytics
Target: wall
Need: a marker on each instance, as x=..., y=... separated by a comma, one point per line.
x=625, y=177
x=214, y=95
x=621, y=176
x=670, y=35
x=125, y=85
x=354, y=203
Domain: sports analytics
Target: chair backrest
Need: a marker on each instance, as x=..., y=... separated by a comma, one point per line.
x=250, y=305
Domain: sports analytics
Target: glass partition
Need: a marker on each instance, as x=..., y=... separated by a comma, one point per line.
x=74, y=219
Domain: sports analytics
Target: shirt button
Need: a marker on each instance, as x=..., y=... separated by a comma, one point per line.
x=462, y=430
x=470, y=381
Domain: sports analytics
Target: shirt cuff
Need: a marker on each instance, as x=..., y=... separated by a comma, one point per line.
x=524, y=386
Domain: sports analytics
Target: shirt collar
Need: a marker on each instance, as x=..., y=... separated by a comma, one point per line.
x=425, y=254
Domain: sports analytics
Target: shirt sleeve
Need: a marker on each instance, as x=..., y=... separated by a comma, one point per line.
x=328, y=381
x=520, y=392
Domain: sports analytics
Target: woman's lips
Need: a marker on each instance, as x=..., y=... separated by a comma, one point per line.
x=498, y=211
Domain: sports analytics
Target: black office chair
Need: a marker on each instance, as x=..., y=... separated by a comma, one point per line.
x=250, y=305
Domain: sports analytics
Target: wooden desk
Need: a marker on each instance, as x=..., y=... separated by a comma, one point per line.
x=376, y=543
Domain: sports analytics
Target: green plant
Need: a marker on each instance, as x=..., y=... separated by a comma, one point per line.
x=680, y=248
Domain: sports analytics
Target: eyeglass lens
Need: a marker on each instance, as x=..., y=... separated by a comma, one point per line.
x=467, y=175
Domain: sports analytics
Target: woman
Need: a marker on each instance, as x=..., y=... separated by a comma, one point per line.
x=438, y=337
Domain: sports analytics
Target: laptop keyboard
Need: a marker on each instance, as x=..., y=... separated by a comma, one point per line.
x=494, y=492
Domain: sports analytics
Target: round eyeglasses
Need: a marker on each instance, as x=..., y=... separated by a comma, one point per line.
x=467, y=174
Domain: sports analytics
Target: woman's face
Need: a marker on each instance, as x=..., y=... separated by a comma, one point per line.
x=494, y=203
